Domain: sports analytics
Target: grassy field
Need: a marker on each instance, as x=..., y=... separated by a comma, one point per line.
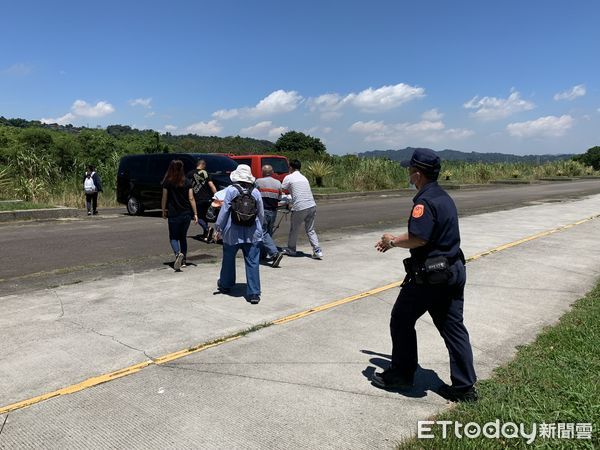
x=553, y=380
x=38, y=180
x=12, y=206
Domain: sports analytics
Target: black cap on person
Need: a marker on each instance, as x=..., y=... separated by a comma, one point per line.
x=425, y=160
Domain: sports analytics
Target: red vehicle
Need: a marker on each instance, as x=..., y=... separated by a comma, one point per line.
x=279, y=163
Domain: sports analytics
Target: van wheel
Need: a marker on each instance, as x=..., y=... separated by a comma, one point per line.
x=134, y=207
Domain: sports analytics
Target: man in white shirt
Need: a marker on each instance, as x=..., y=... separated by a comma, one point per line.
x=303, y=208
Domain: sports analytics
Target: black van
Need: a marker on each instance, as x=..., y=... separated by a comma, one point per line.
x=139, y=177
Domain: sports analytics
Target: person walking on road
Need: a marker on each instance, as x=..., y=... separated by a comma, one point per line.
x=92, y=184
x=435, y=281
x=304, y=210
x=240, y=226
x=204, y=189
x=270, y=191
x=179, y=207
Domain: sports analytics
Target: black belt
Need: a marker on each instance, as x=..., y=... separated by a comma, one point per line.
x=415, y=268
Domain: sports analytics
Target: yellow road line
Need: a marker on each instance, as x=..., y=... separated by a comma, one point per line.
x=531, y=238
x=95, y=381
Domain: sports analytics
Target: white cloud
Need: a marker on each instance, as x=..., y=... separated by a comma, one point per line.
x=224, y=114
x=144, y=102
x=395, y=134
x=64, y=120
x=263, y=129
x=325, y=102
x=368, y=127
x=81, y=108
x=17, y=70
x=100, y=109
x=150, y=114
x=170, y=128
x=384, y=98
x=368, y=100
x=432, y=114
x=274, y=133
x=276, y=102
x=492, y=108
x=571, y=94
x=549, y=126
x=209, y=128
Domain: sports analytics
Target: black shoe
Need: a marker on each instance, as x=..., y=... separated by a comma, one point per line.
x=389, y=379
x=223, y=290
x=277, y=259
x=89, y=213
x=254, y=299
x=95, y=213
x=455, y=395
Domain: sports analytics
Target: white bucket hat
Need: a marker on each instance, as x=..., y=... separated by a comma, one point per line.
x=242, y=174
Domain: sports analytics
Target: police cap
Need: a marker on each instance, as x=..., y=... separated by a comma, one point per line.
x=425, y=160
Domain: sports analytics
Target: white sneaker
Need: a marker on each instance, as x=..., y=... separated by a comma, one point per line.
x=178, y=261
x=317, y=254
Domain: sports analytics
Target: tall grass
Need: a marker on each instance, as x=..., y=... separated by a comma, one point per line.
x=34, y=178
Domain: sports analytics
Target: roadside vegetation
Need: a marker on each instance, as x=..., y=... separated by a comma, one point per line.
x=44, y=164
x=553, y=380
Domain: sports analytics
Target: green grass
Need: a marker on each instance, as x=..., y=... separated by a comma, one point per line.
x=12, y=206
x=553, y=380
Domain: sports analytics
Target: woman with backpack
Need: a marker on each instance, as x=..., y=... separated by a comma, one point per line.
x=92, y=184
x=239, y=225
x=178, y=206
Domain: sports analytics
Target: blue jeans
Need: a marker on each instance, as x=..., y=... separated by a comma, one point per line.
x=178, y=228
x=202, y=207
x=252, y=262
x=268, y=244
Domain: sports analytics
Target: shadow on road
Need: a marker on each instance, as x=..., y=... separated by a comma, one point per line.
x=425, y=379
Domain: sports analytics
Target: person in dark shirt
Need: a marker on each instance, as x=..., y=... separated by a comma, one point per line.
x=92, y=184
x=178, y=206
x=435, y=283
x=203, y=188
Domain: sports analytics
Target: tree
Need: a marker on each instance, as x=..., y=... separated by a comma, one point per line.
x=295, y=141
x=590, y=158
x=36, y=138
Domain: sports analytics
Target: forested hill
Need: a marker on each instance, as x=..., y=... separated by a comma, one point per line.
x=149, y=140
x=455, y=155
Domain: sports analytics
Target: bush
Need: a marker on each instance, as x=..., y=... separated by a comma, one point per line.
x=319, y=170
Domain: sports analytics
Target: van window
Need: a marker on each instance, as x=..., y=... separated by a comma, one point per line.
x=218, y=164
x=279, y=165
x=158, y=165
x=133, y=166
x=246, y=161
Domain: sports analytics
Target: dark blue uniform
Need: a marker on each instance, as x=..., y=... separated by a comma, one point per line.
x=434, y=219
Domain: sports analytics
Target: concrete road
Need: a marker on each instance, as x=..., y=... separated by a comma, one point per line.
x=300, y=384
x=38, y=255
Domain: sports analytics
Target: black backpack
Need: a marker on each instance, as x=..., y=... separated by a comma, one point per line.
x=244, y=207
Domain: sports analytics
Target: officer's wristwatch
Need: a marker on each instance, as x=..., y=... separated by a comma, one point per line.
x=392, y=242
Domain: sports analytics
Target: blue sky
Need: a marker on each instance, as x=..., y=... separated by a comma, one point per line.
x=512, y=76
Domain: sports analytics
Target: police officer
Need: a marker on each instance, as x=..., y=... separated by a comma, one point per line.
x=434, y=283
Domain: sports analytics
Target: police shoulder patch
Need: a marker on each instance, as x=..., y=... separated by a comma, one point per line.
x=418, y=211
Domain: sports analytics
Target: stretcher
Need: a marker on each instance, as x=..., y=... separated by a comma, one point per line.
x=283, y=209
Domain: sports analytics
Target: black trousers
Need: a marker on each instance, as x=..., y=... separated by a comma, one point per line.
x=91, y=202
x=445, y=306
